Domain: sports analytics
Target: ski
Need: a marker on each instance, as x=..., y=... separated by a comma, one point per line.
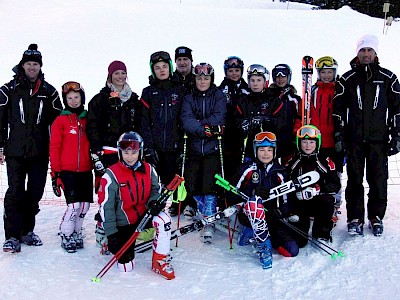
x=285, y=188
x=306, y=73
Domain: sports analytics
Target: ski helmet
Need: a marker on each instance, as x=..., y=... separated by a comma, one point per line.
x=161, y=56
x=264, y=139
x=233, y=62
x=308, y=132
x=204, y=69
x=326, y=62
x=72, y=86
x=259, y=70
x=130, y=141
x=282, y=70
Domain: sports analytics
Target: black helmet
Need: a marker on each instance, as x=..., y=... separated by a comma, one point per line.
x=130, y=140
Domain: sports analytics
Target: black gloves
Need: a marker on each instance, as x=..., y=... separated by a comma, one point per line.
x=394, y=146
x=151, y=156
x=155, y=207
x=216, y=130
x=262, y=192
x=56, y=183
x=245, y=126
x=113, y=243
x=339, y=144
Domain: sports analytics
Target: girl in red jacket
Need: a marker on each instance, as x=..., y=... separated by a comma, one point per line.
x=71, y=165
x=321, y=114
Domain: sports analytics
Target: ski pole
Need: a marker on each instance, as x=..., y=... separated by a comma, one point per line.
x=182, y=173
x=165, y=194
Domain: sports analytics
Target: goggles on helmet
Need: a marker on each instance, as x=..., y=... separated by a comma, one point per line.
x=258, y=70
x=71, y=86
x=233, y=62
x=129, y=145
x=265, y=136
x=327, y=62
x=308, y=131
x=159, y=56
x=203, y=69
x=281, y=71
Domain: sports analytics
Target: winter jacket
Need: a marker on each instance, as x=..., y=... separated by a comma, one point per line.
x=109, y=117
x=233, y=92
x=199, y=109
x=366, y=106
x=124, y=193
x=291, y=103
x=159, y=112
x=186, y=81
x=69, y=144
x=265, y=105
x=321, y=111
x=26, y=113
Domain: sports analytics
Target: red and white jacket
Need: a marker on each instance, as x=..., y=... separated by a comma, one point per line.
x=69, y=144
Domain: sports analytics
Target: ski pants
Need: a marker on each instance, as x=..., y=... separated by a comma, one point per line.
x=371, y=156
x=21, y=204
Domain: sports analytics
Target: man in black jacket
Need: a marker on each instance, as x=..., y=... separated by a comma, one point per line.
x=28, y=106
x=367, y=128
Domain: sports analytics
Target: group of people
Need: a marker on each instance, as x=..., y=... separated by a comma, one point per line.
x=251, y=133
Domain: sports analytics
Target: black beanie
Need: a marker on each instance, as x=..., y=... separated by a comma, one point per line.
x=32, y=54
x=183, y=52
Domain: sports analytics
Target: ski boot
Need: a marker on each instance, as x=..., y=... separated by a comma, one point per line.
x=161, y=265
x=246, y=237
x=377, y=226
x=265, y=253
x=355, y=227
x=189, y=212
x=68, y=243
x=78, y=237
x=208, y=233
x=126, y=267
x=12, y=245
x=31, y=239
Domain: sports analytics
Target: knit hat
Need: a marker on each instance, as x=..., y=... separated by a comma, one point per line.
x=367, y=41
x=183, y=51
x=115, y=66
x=32, y=54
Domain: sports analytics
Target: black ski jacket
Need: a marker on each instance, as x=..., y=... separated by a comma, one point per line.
x=26, y=114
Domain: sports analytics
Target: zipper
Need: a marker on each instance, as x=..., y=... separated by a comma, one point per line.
x=130, y=191
x=376, y=96
x=40, y=112
x=359, y=97
x=21, y=111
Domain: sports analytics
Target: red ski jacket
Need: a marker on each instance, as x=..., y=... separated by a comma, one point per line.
x=69, y=144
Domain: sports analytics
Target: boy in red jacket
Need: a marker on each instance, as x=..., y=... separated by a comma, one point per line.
x=71, y=165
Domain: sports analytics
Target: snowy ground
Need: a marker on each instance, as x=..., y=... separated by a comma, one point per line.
x=79, y=39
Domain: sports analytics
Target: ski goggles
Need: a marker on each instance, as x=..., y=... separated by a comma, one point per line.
x=159, y=56
x=71, y=86
x=203, y=69
x=129, y=145
x=280, y=71
x=308, y=131
x=326, y=62
x=233, y=62
x=258, y=70
x=265, y=136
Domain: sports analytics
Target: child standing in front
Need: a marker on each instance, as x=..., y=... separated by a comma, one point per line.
x=71, y=165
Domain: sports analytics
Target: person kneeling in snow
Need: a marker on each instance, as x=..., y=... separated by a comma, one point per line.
x=127, y=190
x=258, y=177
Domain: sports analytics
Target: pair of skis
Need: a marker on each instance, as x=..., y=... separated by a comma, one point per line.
x=285, y=188
x=306, y=73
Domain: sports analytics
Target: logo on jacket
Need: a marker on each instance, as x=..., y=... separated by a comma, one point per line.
x=264, y=107
x=255, y=177
x=331, y=164
x=174, y=99
x=73, y=130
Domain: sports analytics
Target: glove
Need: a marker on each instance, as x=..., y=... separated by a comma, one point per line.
x=245, y=126
x=56, y=183
x=155, y=207
x=98, y=165
x=216, y=130
x=394, y=146
x=113, y=243
x=339, y=145
x=151, y=156
x=262, y=192
x=308, y=193
x=256, y=123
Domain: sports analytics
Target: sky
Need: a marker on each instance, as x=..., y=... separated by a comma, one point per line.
x=78, y=40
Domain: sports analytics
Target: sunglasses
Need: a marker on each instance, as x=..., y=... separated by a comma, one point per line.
x=129, y=145
x=71, y=86
x=203, y=69
x=159, y=56
x=234, y=62
x=266, y=135
x=326, y=62
x=308, y=131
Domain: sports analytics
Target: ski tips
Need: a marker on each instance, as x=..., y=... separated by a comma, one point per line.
x=96, y=279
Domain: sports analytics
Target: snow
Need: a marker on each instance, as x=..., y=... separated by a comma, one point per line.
x=78, y=39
